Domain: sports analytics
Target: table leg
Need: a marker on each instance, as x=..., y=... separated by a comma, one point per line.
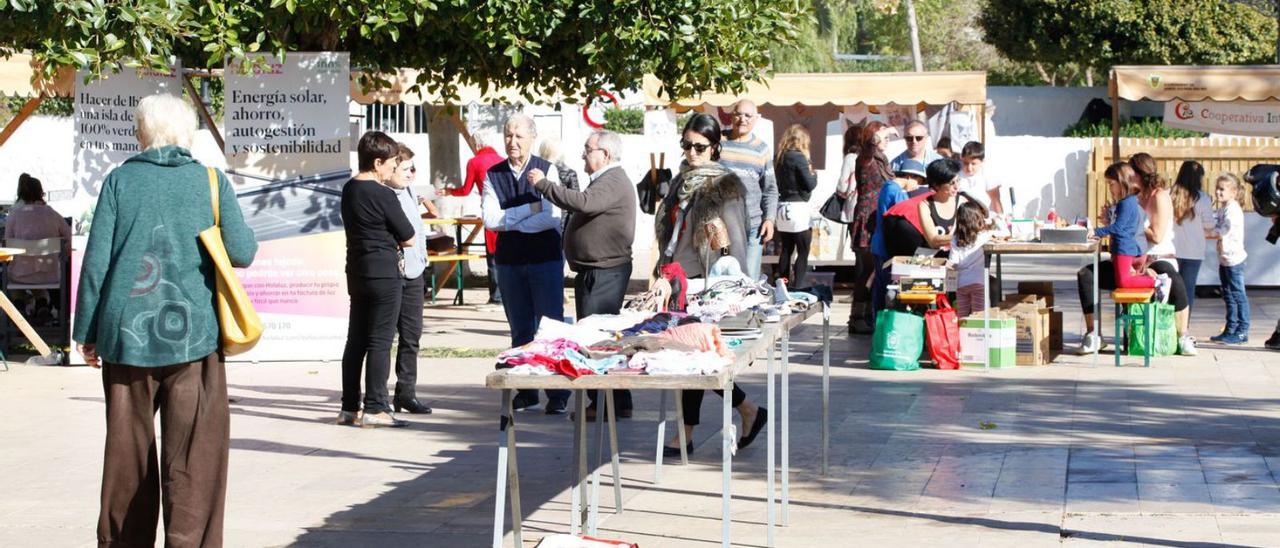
x=613, y=453
x=684, y=443
x=1097, y=311
x=517, y=517
x=507, y=472
x=595, y=476
x=826, y=383
x=726, y=464
x=786, y=423
x=986, y=312
x=662, y=436
x=578, y=502
x=771, y=457
x=461, y=249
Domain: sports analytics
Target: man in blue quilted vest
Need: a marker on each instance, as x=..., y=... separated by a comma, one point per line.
x=529, y=259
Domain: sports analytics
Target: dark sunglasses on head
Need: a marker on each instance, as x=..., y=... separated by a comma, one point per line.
x=700, y=147
x=916, y=138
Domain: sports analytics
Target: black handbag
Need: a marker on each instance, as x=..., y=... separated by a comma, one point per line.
x=833, y=209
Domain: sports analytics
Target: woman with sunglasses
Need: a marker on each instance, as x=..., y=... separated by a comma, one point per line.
x=703, y=218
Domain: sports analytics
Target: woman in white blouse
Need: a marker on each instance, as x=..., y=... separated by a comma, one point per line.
x=1192, y=215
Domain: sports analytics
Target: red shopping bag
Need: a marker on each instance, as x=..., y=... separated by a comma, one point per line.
x=942, y=334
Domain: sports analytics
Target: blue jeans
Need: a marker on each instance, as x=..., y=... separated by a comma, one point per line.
x=1232, y=279
x=1189, y=269
x=755, y=253
x=531, y=292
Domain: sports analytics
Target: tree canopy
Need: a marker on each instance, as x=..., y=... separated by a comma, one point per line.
x=571, y=47
x=1100, y=33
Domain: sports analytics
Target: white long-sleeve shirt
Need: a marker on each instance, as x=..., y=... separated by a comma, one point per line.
x=521, y=218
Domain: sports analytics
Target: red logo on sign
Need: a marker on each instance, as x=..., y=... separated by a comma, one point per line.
x=1183, y=111
x=595, y=116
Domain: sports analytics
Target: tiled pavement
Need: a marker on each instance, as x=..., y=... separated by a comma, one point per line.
x=1184, y=453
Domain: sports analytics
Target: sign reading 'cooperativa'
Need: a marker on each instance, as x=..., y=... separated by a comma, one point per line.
x=1261, y=118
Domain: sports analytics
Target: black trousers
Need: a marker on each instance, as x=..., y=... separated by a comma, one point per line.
x=495, y=294
x=1107, y=280
x=601, y=291
x=798, y=243
x=863, y=267
x=409, y=326
x=691, y=400
x=371, y=326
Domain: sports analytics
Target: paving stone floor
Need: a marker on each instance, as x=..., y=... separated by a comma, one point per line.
x=1186, y=453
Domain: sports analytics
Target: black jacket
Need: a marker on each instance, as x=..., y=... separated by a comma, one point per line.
x=795, y=181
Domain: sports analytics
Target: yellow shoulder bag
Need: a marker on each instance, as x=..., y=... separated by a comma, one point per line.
x=238, y=322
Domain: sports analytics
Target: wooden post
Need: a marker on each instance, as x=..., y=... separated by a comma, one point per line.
x=1114, y=88
x=204, y=111
x=982, y=124
x=466, y=135
x=22, y=116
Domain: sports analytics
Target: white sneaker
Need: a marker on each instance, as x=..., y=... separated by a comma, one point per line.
x=1090, y=344
x=1163, y=286
x=1187, y=345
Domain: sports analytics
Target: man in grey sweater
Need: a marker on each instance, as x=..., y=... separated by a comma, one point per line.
x=598, y=238
x=749, y=157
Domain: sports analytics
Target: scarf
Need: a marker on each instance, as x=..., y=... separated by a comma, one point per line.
x=692, y=178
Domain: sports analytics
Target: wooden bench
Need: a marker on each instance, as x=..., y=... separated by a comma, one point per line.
x=448, y=257
x=1129, y=296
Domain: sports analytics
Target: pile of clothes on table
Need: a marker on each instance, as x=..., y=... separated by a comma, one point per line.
x=667, y=330
x=663, y=343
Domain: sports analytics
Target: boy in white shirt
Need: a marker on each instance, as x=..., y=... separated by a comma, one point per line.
x=1229, y=231
x=974, y=183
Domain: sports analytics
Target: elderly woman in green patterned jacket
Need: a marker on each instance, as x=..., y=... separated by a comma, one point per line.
x=145, y=315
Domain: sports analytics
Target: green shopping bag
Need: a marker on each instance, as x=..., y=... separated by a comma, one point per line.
x=898, y=341
x=1166, y=333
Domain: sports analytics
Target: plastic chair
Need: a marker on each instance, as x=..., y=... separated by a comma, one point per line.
x=1130, y=296
x=44, y=249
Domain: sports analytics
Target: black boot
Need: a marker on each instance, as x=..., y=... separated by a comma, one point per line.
x=1274, y=342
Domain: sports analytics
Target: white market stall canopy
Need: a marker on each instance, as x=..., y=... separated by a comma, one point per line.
x=842, y=89
x=1196, y=83
x=18, y=71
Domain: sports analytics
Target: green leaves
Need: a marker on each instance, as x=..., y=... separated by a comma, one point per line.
x=570, y=47
x=1100, y=33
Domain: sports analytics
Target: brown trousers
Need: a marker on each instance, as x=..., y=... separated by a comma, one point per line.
x=190, y=480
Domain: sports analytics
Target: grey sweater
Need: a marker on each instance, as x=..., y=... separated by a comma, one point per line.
x=751, y=162
x=603, y=225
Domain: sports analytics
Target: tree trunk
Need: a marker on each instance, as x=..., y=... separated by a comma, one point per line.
x=915, y=36
x=1044, y=75
x=1088, y=76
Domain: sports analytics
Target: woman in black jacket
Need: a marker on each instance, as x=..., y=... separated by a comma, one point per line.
x=796, y=180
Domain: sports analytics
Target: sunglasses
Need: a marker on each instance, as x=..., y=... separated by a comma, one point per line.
x=916, y=138
x=700, y=147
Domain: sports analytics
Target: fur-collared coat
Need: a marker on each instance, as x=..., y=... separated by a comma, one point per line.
x=723, y=197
